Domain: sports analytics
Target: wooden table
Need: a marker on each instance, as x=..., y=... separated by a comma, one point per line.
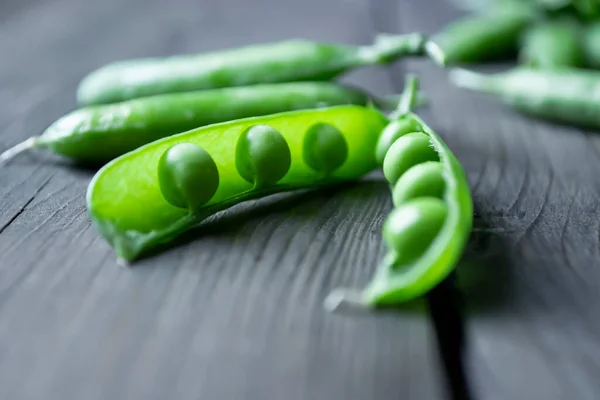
x=236, y=312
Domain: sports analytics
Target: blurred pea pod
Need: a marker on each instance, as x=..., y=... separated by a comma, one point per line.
x=591, y=45
x=481, y=37
x=552, y=44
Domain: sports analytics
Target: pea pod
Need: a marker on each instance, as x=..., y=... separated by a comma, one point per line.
x=98, y=134
x=428, y=229
x=480, y=37
x=591, y=45
x=283, y=61
x=138, y=201
x=553, y=44
x=568, y=95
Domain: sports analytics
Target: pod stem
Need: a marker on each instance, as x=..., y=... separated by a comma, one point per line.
x=436, y=54
x=391, y=102
x=347, y=298
x=408, y=98
x=389, y=47
x=471, y=80
x=18, y=149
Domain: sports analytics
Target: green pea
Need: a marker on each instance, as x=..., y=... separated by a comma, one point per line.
x=324, y=148
x=187, y=175
x=262, y=156
x=411, y=228
x=408, y=150
x=392, y=132
x=422, y=180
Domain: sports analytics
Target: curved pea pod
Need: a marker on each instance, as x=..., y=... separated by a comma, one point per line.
x=553, y=44
x=98, y=134
x=134, y=211
x=568, y=95
x=283, y=61
x=480, y=37
x=428, y=229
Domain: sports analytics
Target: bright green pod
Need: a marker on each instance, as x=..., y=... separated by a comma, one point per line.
x=138, y=217
x=325, y=148
x=392, y=132
x=275, y=62
x=407, y=151
x=262, y=156
x=553, y=44
x=564, y=95
x=425, y=235
x=422, y=180
x=187, y=176
x=98, y=134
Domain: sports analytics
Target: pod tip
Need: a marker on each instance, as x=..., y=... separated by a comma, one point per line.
x=344, y=298
x=17, y=149
x=121, y=262
x=467, y=79
x=436, y=54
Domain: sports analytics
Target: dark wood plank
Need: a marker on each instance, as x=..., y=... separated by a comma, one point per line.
x=234, y=313
x=530, y=281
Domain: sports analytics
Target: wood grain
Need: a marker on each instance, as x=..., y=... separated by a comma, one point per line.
x=235, y=310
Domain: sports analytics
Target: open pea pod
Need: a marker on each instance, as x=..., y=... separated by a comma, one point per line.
x=158, y=191
x=431, y=222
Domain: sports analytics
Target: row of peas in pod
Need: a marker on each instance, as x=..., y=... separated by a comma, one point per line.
x=189, y=177
x=178, y=139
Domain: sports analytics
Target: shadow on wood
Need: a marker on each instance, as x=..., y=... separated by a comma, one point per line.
x=483, y=275
x=301, y=203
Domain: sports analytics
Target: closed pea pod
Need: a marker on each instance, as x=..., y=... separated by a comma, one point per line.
x=98, y=134
x=567, y=95
x=262, y=155
x=283, y=61
x=480, y=37
x=553, y=44
x=591, y=45
x=428, y=229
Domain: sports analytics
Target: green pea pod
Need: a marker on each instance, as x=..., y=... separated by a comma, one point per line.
x=98, y=134
x=156, y=192
x=564, y=95
x=283, y=61
x=553, y=44
x=480, y=37
x=428, y=229
x=591, y=45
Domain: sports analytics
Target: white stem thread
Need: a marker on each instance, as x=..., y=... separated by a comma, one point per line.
x=19, y=148
x=343, y=297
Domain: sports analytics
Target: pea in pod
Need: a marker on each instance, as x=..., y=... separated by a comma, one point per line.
x=566, y=95
x=98, y=134
x=553, y=44
x=156, y=192
x=428, y=229
x=275, y=62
